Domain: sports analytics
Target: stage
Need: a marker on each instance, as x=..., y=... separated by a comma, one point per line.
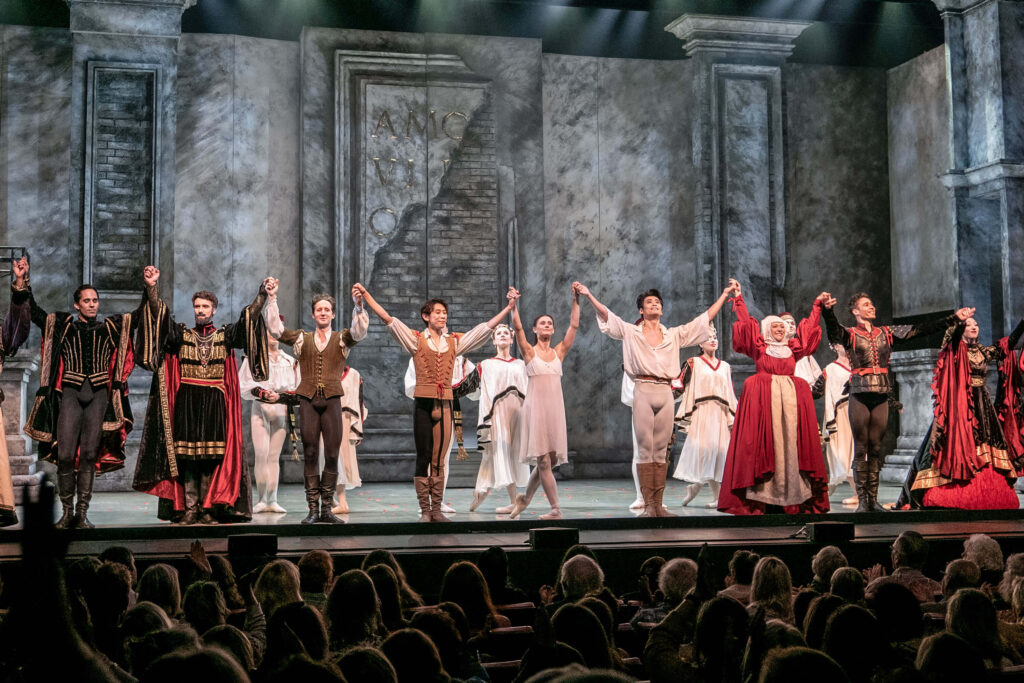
x=383, y=515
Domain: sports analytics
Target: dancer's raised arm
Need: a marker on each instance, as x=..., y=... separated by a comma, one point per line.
x=599, y=308
x=517, y=325
x=732, y=289
x=574, y=324
x=360, y=291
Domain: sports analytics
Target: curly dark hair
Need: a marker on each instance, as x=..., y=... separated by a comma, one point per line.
x=852, y=303
x=206, y=294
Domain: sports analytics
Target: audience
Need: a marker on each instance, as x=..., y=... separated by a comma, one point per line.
x=86, y=621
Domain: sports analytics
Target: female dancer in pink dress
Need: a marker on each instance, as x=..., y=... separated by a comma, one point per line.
x=543, y=440
x=775, y=461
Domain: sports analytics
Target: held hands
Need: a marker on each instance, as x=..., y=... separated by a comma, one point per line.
x=513, y=297
x=271, y=396
x=357, y=295
x=150, y=275
x=964, y=313
x=733, y=288
x=270, y=286
x=358, y=289
x=579, y=289
x=827, y=300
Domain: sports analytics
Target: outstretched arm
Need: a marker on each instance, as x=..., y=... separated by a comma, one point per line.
x=574, y=324
x=599, y=308
x=732, y=289
x=517, y=324
x=358, y=289
x=481, y=333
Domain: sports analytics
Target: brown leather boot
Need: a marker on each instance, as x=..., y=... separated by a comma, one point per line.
x=659, y=473
x=422, y=485
x=436, y=495
x=645, y=473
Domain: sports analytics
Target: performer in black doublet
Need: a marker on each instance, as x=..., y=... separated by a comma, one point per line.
x=192, y=455
x=868, y=346
x=80, y=413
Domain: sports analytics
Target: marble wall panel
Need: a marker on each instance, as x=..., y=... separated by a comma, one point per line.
x=1011, y=35
x=837, y=230
x=922, y=232
x=35, y=94
x=985, y=105
x=237, y=209
x=618, y=216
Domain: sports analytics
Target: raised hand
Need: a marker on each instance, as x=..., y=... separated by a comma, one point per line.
x=357, y=295
x=824, y=297
x=829, y=302
x=965, y=313
x=512, y=295
x=581, y=289
x=20, y=268
x=270, y=285
x=150, y=275
x=357, y=288
x=733, y=287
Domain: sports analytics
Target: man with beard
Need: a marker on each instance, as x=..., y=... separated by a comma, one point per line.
x=80, y=415
x=191, y=454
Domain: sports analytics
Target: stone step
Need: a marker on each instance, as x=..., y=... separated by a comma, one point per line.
x=23, y=464
x=20, y=481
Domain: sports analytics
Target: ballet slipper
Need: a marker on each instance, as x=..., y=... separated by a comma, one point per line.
x=446, y=508
x=478, y=497
x=259, y=507
x=832, y=489
x=637, y=504
x=713, y=505
x=275, y=507
x=691, y=492
x=520, y=505
x=505, y=509
x=555, y=513
x=852, y=500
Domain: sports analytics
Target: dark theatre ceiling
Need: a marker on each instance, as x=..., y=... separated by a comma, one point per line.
x=845, y=32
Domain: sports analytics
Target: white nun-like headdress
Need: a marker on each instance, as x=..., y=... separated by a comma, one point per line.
x=776, y=349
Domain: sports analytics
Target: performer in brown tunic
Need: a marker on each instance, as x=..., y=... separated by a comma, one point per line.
x=433, y=353
x=191, y=454
x=81, y=416
x=322, y=356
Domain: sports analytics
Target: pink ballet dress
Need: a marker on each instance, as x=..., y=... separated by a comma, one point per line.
x=543, y=417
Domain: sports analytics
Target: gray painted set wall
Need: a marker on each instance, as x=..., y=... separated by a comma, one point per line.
x=923, y=236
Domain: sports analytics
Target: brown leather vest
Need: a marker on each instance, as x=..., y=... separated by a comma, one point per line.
x=321, y=370
x=869, y=360
x=434, y=369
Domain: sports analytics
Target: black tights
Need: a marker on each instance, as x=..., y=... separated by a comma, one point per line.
x=80, y=424
x=320, y=417
x=869, y=418
x=431, y=435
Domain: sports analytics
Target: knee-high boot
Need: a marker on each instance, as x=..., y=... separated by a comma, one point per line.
x=874, y=478
x=660, y=473
x=437, y=496
x=860, y=479
x=66, y=492
x=312, y=498
x=328, y=484
x=645, y=473
x=422, y=485
x=86, y=475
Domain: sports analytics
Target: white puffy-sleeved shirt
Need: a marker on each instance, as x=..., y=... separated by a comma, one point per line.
x=283, y=376
x=662, y=361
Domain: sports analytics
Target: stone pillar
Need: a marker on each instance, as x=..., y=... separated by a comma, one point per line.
x=124, y=77
x=985, y=88
x=913, y=372
x=738, y=149
x=15, y=381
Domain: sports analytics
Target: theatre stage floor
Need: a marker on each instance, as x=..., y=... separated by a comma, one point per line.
x=384, y=515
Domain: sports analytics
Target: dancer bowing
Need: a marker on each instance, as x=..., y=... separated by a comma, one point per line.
x=191, y=455
x=503, y=382
x=322, y=356
x=868, y=347
x=434, y=352
x=775, y=460
x=833, y=385
x=650, y=356
x=269, y=420
x=967, y=461
x=706, y=415
x=81, y=416
x=544, y=443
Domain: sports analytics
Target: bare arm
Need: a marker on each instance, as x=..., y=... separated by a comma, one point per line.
x=562, y=349
x=732, y=288
x=372, y=303
x=524, y=345
x=599, y=308
x=493, y=322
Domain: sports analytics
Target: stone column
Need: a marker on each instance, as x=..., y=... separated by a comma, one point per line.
x=15, y=381
x=124, y=77
x=738, y=149
x=913, y=372
x=985, y=82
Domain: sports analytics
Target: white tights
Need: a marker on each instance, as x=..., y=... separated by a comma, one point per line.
x=269, y=429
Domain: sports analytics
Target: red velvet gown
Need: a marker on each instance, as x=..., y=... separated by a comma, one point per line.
x=751, y=457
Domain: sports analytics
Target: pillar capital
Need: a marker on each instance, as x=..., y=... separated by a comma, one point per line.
x=747, y=37
x=154, y=18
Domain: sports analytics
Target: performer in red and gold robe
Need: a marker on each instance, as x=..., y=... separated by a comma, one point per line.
x=192, y=453
x=968, y=461
x=775, y=461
